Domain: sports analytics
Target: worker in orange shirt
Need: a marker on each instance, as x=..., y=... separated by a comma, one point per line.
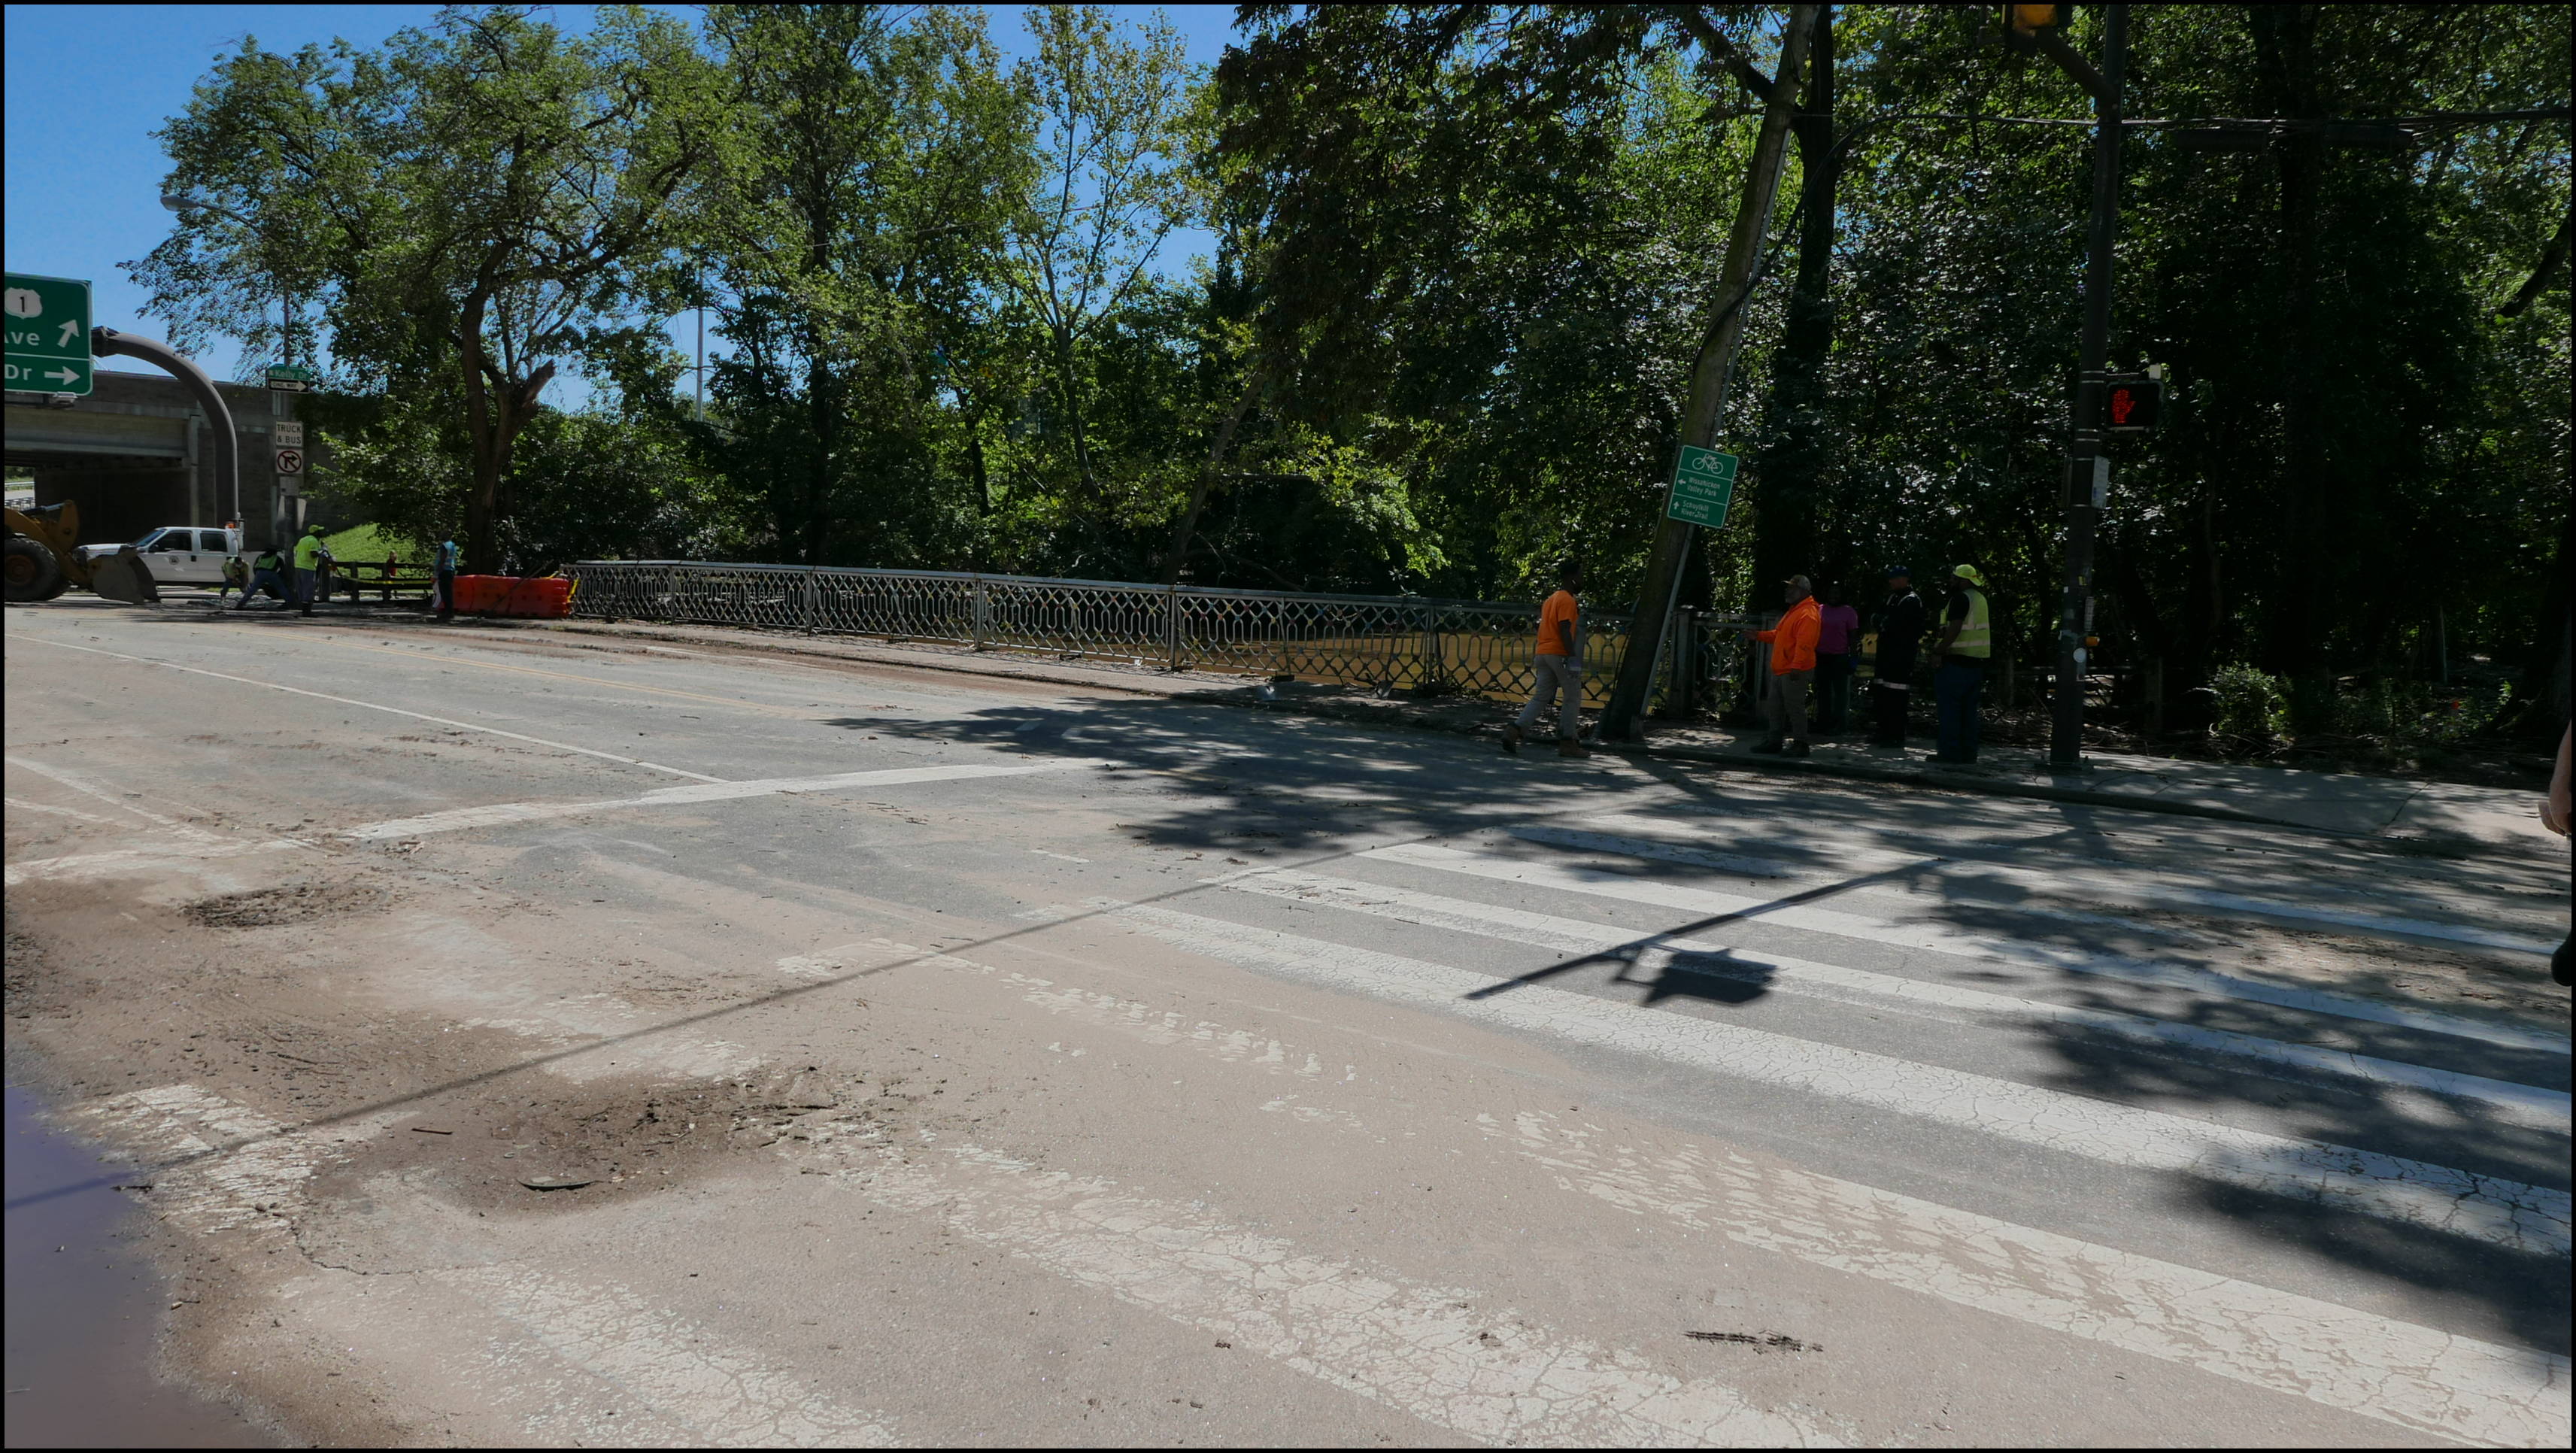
x=1557, y=665
x=1793, y=667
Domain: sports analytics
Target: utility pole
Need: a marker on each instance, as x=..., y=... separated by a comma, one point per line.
x=1626, y=717
x=2087, y=470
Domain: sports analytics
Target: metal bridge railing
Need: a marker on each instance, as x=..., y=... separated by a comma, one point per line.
x=1392, y=643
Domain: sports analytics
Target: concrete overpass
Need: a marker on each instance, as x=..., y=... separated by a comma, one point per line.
x=136, y=454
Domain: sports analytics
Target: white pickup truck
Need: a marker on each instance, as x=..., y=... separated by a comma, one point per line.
x=181, y=554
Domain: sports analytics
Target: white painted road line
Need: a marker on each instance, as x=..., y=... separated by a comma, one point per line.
x=460, y=818
x=238, y=1169
x=2092, y=885
x=2519, y=1104
x=372, y=706
x=123, y=862
x=2413, y=1376
x=1941, y=938
x=2399, y=1372
x=2483, y=1208
x=664, y=1362
x=83, y=785
x=1640, y=832
x=1426, y=1350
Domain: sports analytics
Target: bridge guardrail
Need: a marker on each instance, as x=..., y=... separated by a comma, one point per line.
x=1393, y=643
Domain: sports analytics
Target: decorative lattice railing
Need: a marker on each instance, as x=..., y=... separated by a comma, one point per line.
x=1393, y=643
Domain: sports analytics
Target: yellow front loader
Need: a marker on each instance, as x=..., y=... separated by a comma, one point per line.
x=44, y=560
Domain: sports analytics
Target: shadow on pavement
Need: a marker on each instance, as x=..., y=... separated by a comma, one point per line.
x=1290, y=790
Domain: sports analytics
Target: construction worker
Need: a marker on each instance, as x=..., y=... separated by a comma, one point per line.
x=444, y=591
x=236, y=577
x=1967, y=645
x=267, y=577
x=1837, y=638
x=1556, y=664
x=308, y=567
x=1793, y=667
x=1900, y=639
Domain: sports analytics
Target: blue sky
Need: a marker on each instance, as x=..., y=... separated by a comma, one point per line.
x=88, y=84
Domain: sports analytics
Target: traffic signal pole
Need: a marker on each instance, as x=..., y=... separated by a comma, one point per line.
x=2075, y=606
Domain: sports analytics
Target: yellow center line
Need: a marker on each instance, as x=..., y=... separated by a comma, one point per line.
x=788, y=712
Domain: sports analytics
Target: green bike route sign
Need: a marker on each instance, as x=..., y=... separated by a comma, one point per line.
x=1703, y=486
x=48, y=334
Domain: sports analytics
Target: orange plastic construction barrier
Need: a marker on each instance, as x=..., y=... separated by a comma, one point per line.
x=546, y=597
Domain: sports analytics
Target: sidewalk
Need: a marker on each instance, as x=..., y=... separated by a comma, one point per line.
x=2441, y=817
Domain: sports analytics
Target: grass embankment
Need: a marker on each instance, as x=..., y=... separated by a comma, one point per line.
x=365, y=542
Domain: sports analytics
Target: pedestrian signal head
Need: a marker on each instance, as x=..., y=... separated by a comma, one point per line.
x=2133, y=404
x=2029, y=19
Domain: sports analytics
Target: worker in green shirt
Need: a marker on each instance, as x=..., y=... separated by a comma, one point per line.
x=309, y=556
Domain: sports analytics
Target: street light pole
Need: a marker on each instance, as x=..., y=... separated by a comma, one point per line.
x=2084, y=454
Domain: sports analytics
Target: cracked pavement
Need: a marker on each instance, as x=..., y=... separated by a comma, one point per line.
x=530, y=1041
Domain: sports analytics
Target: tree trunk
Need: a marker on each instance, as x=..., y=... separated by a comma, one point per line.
x=482, y=498
x=1790, y=485
x=1178, y=555
x=1705, y=406
x=1073, y=410
x=826, y=423
x=2285, y=62
x=496, y=409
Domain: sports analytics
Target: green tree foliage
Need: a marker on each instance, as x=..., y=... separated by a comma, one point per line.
x=1112, y=180
x=2357, y=438
x=1464, y=261
x=471, y=205
x=854, y=224
x=1491, y=235
x=592, y=484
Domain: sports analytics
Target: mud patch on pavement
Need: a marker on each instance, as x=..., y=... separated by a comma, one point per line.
x=287, y=903
x=2510, y=988
x=540, y=1147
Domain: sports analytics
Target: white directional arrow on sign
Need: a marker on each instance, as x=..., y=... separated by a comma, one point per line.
x=63, y=375
x=71, y=330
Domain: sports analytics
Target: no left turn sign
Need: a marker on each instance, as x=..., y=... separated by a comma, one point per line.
x=290, y=461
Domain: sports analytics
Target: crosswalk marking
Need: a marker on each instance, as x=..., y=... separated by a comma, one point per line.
x=2091, y=884
x=1428, y=1350
x=243, y=1172
x=2483, y=1208
x=723, y=1397
x=497, y=814
x=2336, y=1356
x=2399, y=1372
x=1940, y=938
x=2515, y=1103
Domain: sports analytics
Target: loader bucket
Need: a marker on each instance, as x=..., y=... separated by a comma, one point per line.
x=123, y=578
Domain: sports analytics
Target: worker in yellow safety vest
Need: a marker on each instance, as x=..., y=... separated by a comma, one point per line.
x=1967, y=644
x=309, y=556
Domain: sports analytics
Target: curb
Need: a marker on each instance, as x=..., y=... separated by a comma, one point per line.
x=924, y=660
x=2038, y=791
x=1806, y=767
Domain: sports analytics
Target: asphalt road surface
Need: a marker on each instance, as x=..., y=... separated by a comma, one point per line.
x=531, y=1041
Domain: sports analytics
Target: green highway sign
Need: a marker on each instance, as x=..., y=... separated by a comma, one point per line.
x=1703, y=486
x=48, y=334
